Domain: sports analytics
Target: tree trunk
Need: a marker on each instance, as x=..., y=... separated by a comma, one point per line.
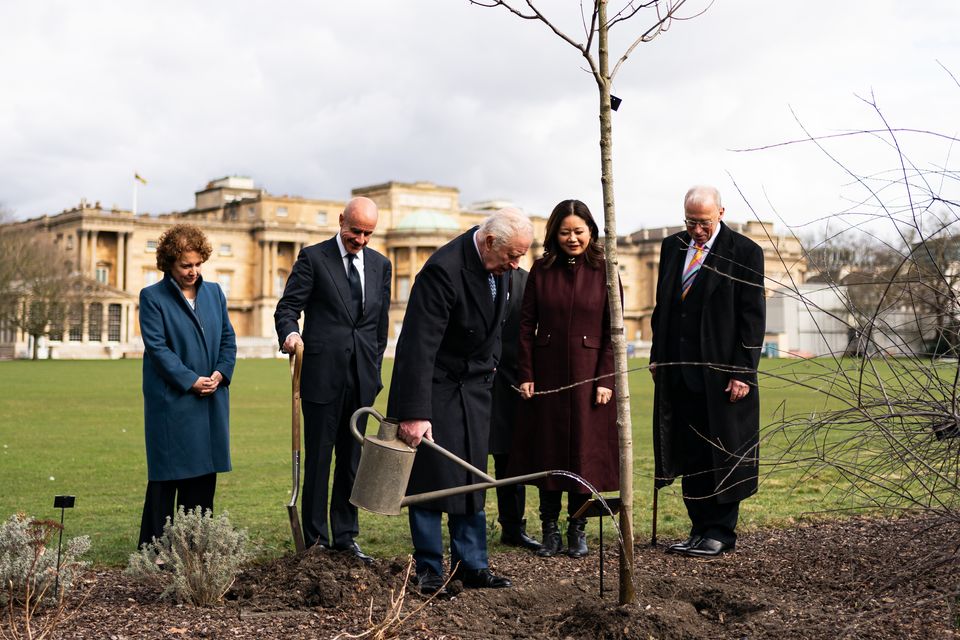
x=624, y=426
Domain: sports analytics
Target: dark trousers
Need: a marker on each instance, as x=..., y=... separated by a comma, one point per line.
x=511, y=499
x=468, y=540
x=165, y=496
x=327, y=431
x=709, y=516
x=550, y=503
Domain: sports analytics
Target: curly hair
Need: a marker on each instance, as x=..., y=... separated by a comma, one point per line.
x=551, y=242
x=179, y=239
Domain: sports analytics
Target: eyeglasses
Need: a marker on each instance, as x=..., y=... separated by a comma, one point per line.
x=703, y=224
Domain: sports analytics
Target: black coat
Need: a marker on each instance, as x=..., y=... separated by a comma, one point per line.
x=318, y=287
x=446, y=358
x=505, y=398
x=729, y=288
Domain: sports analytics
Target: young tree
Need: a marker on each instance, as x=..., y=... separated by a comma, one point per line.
x=595, y=50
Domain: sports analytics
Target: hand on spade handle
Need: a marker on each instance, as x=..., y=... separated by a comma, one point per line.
x=413, y=431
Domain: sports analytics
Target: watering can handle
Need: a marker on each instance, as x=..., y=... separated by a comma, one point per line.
x=356, y=415
x=429, y=443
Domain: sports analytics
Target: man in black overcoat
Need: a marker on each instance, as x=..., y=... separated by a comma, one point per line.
x=445, y=362
x=709, y=315
x=511, y=499
x=343, y=288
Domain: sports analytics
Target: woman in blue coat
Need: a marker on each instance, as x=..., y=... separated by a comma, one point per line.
x=189, y=353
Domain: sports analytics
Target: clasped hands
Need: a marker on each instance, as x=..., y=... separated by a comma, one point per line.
x=207, y=385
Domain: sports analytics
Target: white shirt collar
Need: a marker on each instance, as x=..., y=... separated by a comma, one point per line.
x=343, y=254
x=476, y=245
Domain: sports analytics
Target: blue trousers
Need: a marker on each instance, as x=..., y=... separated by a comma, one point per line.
x=468, y=540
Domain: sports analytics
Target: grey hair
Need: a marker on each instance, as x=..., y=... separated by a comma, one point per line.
x=505, y=225
x=698, y=196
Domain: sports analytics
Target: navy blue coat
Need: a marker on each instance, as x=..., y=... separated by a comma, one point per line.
x=447, y=355
x=186, y=435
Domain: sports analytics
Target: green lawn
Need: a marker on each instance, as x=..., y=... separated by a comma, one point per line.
x=77, y=428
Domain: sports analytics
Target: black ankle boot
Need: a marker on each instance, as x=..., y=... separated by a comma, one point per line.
x=577, y=538
x=552, y=543
x=515, y=535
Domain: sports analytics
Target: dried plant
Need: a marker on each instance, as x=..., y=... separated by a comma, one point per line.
x=393, y=618
x=34, y=582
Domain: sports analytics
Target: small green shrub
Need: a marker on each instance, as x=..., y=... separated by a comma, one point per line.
x=196, y=559
x=28, y=565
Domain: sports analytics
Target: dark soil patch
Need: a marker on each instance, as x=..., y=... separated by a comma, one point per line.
x=854, y=578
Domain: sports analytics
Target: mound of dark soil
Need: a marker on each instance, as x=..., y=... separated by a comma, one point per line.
x=854, y=578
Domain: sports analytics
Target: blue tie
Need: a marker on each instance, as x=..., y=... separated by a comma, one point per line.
x=355, y=291
x=493, y=286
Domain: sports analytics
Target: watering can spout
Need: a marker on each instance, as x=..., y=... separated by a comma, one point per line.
x=386, y=463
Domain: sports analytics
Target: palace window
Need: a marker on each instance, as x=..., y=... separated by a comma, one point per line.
x=403, y=288
x=103, y=273
x=75, y=321
x=113, y=323
x=226, y=249
x=56, y=323
x=150, y=276
x=151, y=246
x=281, y=212
x=225, y=279
x=321, y=218
x=279, y=282
x=94, y=322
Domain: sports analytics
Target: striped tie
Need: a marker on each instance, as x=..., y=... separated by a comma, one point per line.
x=691, y=272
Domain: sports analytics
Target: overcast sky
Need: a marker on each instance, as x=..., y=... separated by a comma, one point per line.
x=315, y=98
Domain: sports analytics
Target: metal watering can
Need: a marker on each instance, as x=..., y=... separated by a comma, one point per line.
x=385, y=465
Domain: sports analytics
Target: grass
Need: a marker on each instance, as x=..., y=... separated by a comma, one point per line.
x=76, y=427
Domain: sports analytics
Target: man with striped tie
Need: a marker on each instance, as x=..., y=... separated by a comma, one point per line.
x=708, y=328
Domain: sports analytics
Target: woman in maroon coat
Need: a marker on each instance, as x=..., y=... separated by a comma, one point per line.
x=565, y=338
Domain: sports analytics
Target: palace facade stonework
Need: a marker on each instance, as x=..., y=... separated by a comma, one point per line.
x=256, y=237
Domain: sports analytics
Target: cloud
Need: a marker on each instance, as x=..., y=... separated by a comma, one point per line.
x=317, y=98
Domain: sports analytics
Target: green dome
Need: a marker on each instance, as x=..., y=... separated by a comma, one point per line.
x=426, y=220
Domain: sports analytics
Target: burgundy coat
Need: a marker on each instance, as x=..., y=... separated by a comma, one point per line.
x=564, y=338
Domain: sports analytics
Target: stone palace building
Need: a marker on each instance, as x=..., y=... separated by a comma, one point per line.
x=256, y=237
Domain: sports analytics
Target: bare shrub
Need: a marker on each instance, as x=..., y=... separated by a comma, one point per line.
x=891, y=408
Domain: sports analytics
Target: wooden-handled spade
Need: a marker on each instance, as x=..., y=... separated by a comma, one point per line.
x=296, y=363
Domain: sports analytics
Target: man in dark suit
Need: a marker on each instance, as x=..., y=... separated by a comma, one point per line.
x=708, y=328
x=445, y=363
x=511, y=499
x=343, y=288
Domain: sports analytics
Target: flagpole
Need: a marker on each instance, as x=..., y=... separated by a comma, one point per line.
x=136, y=183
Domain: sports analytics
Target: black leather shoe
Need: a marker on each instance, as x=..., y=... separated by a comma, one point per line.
x=681, y=547
x=708, y=548
x=516, y=536
x=431, y=583
x=354, y=549
x=481, y=579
